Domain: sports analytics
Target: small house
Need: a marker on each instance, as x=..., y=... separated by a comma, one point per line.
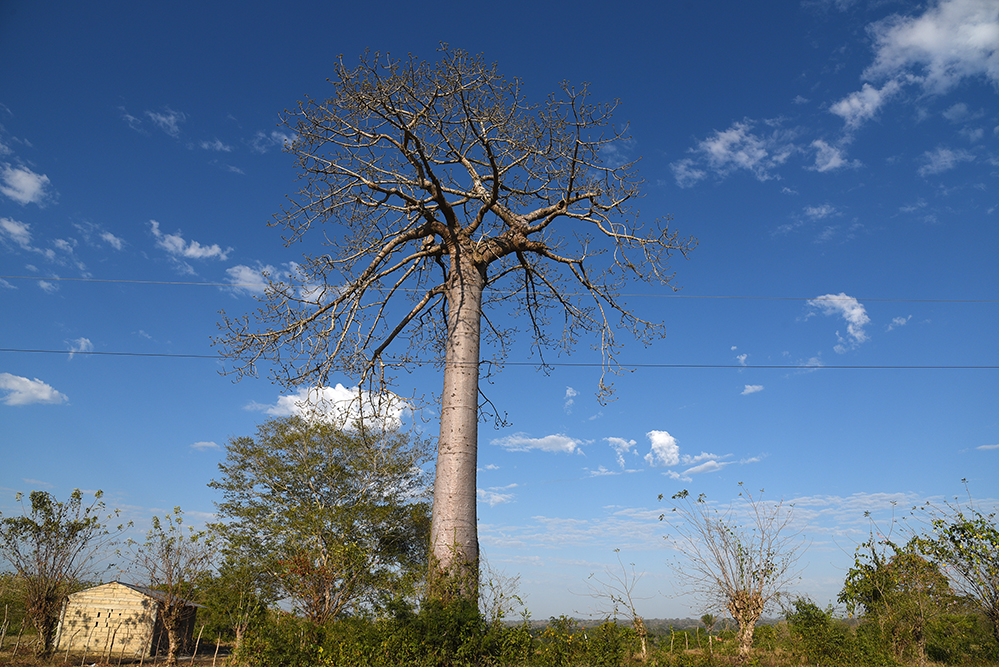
x=119, y=619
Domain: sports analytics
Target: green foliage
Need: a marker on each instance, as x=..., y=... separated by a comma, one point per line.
x=961, y=639
x=231, y=600
x=174, y=561
x=51, y=546
x=609, y=644
x=330, y=517
x=966, y=542
x=899, y=591
x=815, y=634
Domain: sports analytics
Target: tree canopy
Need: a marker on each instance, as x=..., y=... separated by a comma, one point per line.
x=51, y=546
x=336, y=519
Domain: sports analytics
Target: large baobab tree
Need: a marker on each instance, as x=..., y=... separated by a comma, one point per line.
x=442, y=192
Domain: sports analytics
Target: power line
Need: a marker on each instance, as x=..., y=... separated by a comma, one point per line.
x=554, y=364
x=657, y=296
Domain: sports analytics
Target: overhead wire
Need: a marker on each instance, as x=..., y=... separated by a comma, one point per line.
x=550, y=364
x=673, y=295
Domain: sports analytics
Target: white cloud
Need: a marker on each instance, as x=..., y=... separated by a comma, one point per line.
x=202, y=446
x=47, y=286
x=176, y=245
x=685, y=173
x=263, y=142
x=851, y=310
x=23, y=185
x=521, y=442
x=742, y=358
x=493, y=496
x=167, y=120
x=338, y=405
x=706, y=467
x=569, y=394
x=251, y=280
x=112, y=240
x=820, y=212
x=664, y=452
x=752, y=389
x=952, y=40
x=703, y=456
x=16, y=231
x=943, y=159
x=829, y=158
x=863, y=105
x=602, y=471
x=898, y=322
x=620, y=447
x=733, y=149
x=216, y=145
x=79, y=345
x=987, y=447
x=22, y=391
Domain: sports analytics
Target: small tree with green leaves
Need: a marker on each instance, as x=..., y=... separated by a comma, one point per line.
x=174, y=560
x=334, y=518
x=965, y=542
x=899, y=591
x=51, y=546
x=741, y=559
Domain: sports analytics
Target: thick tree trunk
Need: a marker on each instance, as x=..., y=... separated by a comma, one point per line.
x=454, y=542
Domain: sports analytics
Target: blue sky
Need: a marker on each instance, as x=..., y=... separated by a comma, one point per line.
x=841, y=148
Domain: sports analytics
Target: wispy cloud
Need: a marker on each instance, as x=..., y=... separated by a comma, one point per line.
x=943, y=159
x=216, y=145
x=852, y=311
x=830, y=158
x=178, y=247
x=16, y=232
x=752, y=389
x=863, y=105
x=620, y=447
x=570, y=393
x=79, y=345
x=252, y=280
x=204, y=445
x=167, y=120
x=521, y=442
x=24, y=186
x=897, y=322
x=263, y=142
x=739, y=147
x=493, y=495
x=22, y=391
x=985, y=448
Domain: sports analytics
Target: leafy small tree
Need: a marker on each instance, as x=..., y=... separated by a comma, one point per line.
x=334, y=518
x=51, y=546
x=174, y=560
x=965, y=543
x=899, y=591
x=741, y=561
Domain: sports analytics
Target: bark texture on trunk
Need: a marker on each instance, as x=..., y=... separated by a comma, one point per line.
x=454, y=545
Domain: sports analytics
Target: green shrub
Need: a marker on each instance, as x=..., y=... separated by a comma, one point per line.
x=960, y=639
x=560, y=643
x=608, y=644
